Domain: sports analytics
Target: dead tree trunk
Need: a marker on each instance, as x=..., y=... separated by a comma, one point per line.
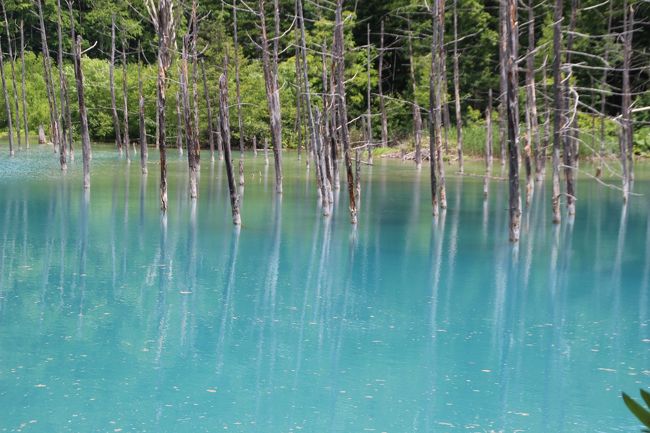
x=193, y=56
x=5, y=92
x=83, y=117
x=557, y=108
x=13, y=73
x=24, y=93
x=459, y=120
x=569, y=129
x=603, y=96
x=441, y=96
x=208, y=106
x=380, y=86
x=435, y=139
x=125, y=94
x=272, y=92
x=225, y=136
x=503, y=83
x=42, y=139
x=179, y=124
x=187, y=118
x=512, y=34
x=143, y=127
x=368, y=97
x=342, y=111
x=531, y=97
x=255, y=145
x=111, y=83
x=49, y=87
x=417, y=118
x=488, y=144
x=63, y=97
x=162, y=17
x=240, y=125
x=626, y=102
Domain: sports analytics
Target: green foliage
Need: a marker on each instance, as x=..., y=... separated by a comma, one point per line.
x=642, y=413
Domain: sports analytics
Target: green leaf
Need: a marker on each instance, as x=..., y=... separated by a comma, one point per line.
x=646, y=397
x=642, y=414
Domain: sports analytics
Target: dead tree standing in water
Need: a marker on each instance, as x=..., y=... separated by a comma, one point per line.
x=531, y=146
x=626, y=142
x=24, y=93
x=382, y=103
x=342, y=110
x=47, y=72
x=111, y=83
x=125, y=94
x=208, y=106
x=188, y=122
x=270, y=65
x=225, y=135
x=162, y=17
x=240, y=127
x=557, y=108
x=459, y=120
x=83, y=116
x=512, y=34
x=503, y=83
x=488, y=144
x=603, y=95
x=8, y=104
x=10, y=51
x=142, y=125
x=417, y=118
x=570, y=128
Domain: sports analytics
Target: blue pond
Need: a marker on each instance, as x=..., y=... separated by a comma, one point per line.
x=113, y=319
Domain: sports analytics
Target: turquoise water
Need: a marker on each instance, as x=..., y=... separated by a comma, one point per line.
x=113, y=319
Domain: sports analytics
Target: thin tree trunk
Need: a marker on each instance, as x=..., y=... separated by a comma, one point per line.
x=435, y=140
x=5, y=92
x=208, y=106
x=266, y=151
x=299, y=86
x=111, y=82
x=13, y=73
x=225, y=135
x=568, y=130
x=63, y=95
x=23, y=90
x=417, y=118
x=47, y=72
x=503, y=131
x=368, y=96
x=187, y=118
x=240, y=127
x=488, y=144
x=513, y=119
x=382, y=103
x=442, y=92
x=459, y=120
x=143, y=127
x=85, y=136
x=42, y=139
x=531, y=96
x=557, y=108
x=192, y=55
x=272, y=92
x=342, y=107
x=603, y=95
x=126, y=142
x=546, y=134
x=179, y=124
x=255, y=145
x=626, y=102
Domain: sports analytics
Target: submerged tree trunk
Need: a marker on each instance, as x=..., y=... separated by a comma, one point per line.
x=225, y=134
x=49, y=87
x=111, y=83
x=626, y=102
x=7, y=103
x=459, y=121
x=23, y=90
x=13, y=73
x=557, y=108
x=512, y=34
x=342, y=107
x=208, y=106
x=83, y=116
x=272, y=91
x=380, y=86
x=142, y=124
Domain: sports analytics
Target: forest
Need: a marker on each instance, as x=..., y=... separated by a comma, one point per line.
x=523, y=83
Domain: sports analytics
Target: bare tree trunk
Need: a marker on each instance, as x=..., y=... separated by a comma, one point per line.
x=85, y=136
x=266, y=151
x=299, y=86
x=162, y=16
x=417, y=118
x=557, y=108
x=532, y=136
x=125, y=94
x=143, y=128
x=193, y=56
x=47, y=72
x=603, y=96
x=63, y=95
x=434, y=107
x=626, y=103
x=272, y=92
x=24, y=97
x=546, y=134
x=368, y=97
x=225, y=135
x=568, y=130
x=329, y=132
x=13, y=73
x=111, y=81
x=441, y=94
x=240, y=127
x=512, y=34
x=382, y=104
x=503, y=83
x=208, y=106
x=459, y=120
x=179, y=124
x=42, y=139
x=255, y=145
x=339, y=62
x=190, y=131
x=488, y=144
x=7, y=103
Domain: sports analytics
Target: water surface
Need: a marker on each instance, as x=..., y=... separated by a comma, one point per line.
x=115, y=319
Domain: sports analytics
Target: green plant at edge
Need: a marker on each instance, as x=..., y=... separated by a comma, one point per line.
x=639, y=411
